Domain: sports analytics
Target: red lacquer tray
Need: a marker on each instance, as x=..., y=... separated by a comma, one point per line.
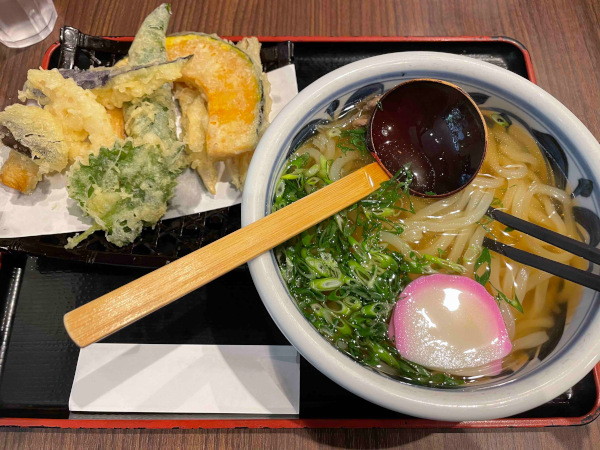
x=38, y=360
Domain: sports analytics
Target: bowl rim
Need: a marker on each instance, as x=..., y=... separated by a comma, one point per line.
x=484, y=403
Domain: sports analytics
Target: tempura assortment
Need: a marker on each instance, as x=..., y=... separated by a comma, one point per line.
x=114, y=129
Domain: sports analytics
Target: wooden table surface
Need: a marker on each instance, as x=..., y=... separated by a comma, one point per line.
x=563, y=37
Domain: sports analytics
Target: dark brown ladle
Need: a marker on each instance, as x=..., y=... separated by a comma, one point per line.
x=434, y=127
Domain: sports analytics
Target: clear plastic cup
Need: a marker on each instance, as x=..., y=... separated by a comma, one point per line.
x=25, y=22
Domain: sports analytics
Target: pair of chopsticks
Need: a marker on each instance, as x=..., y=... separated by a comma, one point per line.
x=586, y=251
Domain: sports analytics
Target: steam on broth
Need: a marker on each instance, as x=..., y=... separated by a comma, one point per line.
x=347, y=272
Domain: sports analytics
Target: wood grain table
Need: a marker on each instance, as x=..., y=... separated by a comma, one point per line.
x=563, y=37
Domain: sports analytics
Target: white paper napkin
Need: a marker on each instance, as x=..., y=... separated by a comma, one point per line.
x=149, y=378
x=49, y=210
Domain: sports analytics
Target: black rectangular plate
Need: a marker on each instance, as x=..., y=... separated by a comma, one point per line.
x=38, y=359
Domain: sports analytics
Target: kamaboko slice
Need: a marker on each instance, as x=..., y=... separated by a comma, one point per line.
x=450, y=323
x=232, y=86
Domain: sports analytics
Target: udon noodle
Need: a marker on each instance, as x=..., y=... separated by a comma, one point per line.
x=516, y=178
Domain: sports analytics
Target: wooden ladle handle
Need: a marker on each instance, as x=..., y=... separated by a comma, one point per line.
x=117, y=309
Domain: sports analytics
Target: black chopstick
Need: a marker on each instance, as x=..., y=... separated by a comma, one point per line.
x=578, y=276
x=543, y=234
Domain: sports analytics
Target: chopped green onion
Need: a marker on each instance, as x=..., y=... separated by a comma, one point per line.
x=342, y=326
x=500, y=120
x=338, y=307
x=384, y=212
x=326, y=284
x=353, y=303
x=384, y=260
x=280, y=189
x=318, y=266
x=484, y=260
x=446, y=263
x=317, y=308
x=514, y=302
x=312, y=171
x=375, y=309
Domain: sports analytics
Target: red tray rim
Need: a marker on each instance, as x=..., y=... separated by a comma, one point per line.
x=321, y=423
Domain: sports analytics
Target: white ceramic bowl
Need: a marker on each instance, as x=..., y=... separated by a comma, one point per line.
x=570, y=145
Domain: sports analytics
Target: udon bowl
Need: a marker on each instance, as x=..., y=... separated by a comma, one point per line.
x=570, y=147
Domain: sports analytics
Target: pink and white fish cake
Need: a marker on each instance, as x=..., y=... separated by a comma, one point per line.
x=450, y=323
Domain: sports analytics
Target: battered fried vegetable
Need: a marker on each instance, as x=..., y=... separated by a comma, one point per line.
x=37, y=133
x=238, y=165
x=151, y=119
x=19, y=172
x=251, y=47
x=37, y=142
x=230, y=78
x=149, y=43
x=123, y=189
x=127, y=187
x=238, y=168
x=85, y=123
x=116, y=122
x=97, y=77
x=194, y=123
x=137, y=82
